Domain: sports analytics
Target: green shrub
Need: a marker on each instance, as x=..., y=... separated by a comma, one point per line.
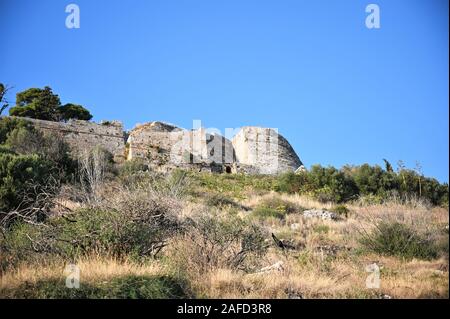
x=220, y=200
x=133, y=166
x=6, y=150
x=328, y=184
x=8, y=124
x=137, y=232
x=234, y=185
x=321, y=229
x=266, y=212
x=292, y=183
x=20, y=137
x=275, y=207
x=136, y=225
x=396, y=239
x=19, y=174
x=341, y=210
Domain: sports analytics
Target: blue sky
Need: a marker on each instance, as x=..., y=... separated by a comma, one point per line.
x=339, y=92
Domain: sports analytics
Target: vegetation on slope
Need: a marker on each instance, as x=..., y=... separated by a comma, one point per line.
x=187, y=234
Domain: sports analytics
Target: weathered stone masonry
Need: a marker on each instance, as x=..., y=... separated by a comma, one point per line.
x=84, y=136
x=253, y=150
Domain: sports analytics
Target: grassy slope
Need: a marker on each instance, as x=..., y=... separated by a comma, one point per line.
x=329, y=261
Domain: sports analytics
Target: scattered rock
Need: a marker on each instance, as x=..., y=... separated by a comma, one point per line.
x=293, y=294
x=278, y=266
x=320, y=213
x=295, y=226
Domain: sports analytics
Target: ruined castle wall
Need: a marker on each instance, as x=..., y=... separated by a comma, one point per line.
x=162, y=144
x=263, y=151
x=83, y=136
x=253, y=150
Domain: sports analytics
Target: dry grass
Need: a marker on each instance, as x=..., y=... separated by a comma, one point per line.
x=93, y=269
x=341, y=278
x=327, y=263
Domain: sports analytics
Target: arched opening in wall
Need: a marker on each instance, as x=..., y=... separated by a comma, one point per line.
x=228, y=169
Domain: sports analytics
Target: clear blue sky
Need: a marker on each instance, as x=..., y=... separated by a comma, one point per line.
x=339, y=92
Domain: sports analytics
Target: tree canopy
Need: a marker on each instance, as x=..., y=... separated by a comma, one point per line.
x=43, y=104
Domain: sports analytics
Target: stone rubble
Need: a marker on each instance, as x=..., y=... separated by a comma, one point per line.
x=320, y=213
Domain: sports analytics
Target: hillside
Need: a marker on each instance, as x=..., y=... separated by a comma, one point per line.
x=125, y=230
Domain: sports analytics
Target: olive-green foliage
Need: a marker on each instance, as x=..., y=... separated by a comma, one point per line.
x=18, y=175
x=219, y=200
x=6, y=150
x=234, y=185
x=8, y=124
x=352, y=182
x=43, y=104
x=74, y=111
x=131, y=167
x=136, y=225
x=124, y=287
x=396, y=239
x=324, y=183
x=20, y=137
x=275, y=207
x=341, y=210
x=321, y=229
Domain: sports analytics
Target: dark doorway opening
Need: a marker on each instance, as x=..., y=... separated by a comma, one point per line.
x=228, y=169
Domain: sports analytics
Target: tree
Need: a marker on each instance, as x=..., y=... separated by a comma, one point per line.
x=43, y=104
x=74, y=111
x=3, y=103
x=37, y=103
x=388, y=165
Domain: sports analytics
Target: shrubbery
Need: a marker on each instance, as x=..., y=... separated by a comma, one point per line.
x=352, y=182
x=20, y=175
x=132, y=224
x=396, y=239
x=211, y=241
x=31, y=163
x=275, y=207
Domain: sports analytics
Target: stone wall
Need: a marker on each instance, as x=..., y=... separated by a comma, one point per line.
x=84, y=135
x=264, y=151
x=167, y=146
x=254, y=150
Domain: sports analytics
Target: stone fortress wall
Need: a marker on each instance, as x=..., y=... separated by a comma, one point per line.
x=253, y=150
x=163, y=146
x=84, y=135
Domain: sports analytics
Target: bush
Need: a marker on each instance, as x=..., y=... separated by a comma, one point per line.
x=6, y=150
x=328, y=184
x=211, y=241
x=20, y=176
x=292, y=183
x=321, y=229
x=8, y=124
x=20, y=137
x=266, y=212
x=135, y=224
x=396, y=239
x=341, y=210
x=220, y=200
x=275, y=207
x=50, y=146
x=131, y=167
